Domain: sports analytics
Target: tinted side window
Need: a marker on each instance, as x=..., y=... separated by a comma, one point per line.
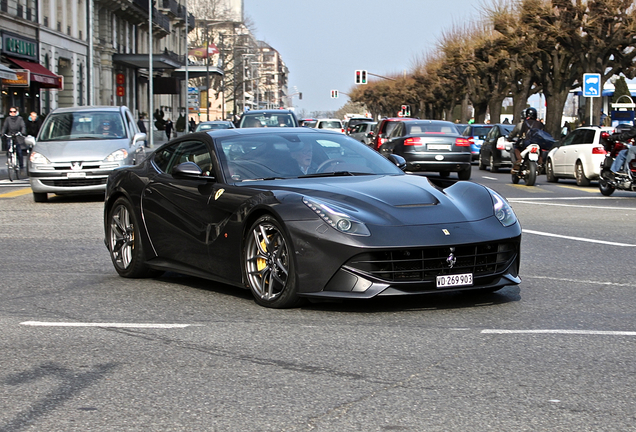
x=588, y=137
x=186, y=151
x=579, y=137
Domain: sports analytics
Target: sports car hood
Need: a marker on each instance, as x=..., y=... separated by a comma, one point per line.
x=79, y=150
x=398, y=200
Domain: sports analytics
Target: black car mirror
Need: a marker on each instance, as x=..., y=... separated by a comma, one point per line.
x=398, y=160
x=189, y=170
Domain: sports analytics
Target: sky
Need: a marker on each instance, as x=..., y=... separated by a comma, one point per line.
x=324, y=42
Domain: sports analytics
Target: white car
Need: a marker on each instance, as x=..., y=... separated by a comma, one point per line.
x=578, y=155
x=331, y=124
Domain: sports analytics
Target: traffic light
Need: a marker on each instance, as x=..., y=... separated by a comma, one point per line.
x=405, y=111
x=334, y=94
x=361, y=76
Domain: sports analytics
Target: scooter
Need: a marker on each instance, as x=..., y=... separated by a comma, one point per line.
x=608, y=181
x=529, y=161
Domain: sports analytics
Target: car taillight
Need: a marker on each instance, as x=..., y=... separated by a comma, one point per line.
x=381, y=141
x=534, y=149
x=342, y=130
x=462, y=142
x=501, y=145
x=598, y=150
x=413, y=141
x=471, y=141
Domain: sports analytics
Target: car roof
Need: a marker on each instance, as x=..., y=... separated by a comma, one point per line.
x=89, y=108
x=267, y=131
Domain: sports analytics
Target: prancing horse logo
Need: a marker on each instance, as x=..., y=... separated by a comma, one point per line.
x=451, y=260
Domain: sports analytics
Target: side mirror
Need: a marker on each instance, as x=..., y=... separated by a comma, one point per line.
x=398, y=161
x=189, y=170
x=29, y=140
x=138, y=137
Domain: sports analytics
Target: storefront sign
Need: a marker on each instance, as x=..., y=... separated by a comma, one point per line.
x=21, y=47
x=24, y=79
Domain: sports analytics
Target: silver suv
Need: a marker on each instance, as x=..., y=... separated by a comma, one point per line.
x=77, y=148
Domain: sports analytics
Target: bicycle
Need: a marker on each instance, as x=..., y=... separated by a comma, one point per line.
x=13, y=165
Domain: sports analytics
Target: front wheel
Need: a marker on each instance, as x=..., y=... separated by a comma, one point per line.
x=605, y=188
x=124, y=241
x=581, y=178
x=493, y=168
x=269, y=265
x=531, y=176
x=40, y=197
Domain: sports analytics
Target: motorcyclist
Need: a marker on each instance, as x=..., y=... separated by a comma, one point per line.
x=520, y=131
x=626, y=155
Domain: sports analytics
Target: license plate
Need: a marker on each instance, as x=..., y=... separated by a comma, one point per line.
x=76, y=175
x=533, y=157
x=465, y=279
x=438, y=147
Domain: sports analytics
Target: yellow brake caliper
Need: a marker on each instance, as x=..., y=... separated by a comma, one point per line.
x=260, y=262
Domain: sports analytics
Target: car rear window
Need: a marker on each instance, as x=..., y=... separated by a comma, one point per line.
x=267, y=120
x=85, y=125
x=481, y=131
x=431, y=127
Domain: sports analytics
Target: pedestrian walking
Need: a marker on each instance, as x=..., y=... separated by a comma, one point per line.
x=141, y=125
x=168, y=126
x=34, y=124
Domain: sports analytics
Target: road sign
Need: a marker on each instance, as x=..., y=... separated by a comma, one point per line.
x=591, y=85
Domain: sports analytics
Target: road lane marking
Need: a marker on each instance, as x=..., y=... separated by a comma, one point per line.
x=105, y=325
x=531, y=189
x=579, y=188
x=569, y=332
x=490, y=178
x=569, y=198
x=573, y=205
x=16, y=193
x=577, y=238
x=579, y=281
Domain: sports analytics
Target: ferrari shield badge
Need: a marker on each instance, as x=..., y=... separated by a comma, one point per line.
x=446, y=232
x=218, y=194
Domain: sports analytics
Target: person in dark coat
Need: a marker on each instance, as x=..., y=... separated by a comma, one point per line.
x=34, y=124
x=168, y=128
x=11, y=126
x=140, y=124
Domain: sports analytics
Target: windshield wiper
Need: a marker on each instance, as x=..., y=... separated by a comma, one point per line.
x=335, y=174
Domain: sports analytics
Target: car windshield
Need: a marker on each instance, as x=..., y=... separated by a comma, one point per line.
x=85, y=125
x=481, y=131
x=331, y=124
x=440, y=128
x=267, y=120
x=293, y=155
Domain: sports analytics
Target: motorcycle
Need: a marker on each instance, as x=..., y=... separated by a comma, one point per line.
x=608, y=181
x=528, y=169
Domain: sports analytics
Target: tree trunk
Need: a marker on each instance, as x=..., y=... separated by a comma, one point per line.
x=494, y=106
x=481, y=109
x=554, y=111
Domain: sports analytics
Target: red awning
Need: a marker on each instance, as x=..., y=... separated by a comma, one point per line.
x=41, y=75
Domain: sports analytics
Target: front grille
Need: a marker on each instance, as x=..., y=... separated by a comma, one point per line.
x=425, y=264
x=76, y=182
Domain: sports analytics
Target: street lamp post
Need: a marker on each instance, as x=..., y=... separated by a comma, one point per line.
x=150, y=72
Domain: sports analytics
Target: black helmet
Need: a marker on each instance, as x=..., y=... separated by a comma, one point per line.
x=531, y=113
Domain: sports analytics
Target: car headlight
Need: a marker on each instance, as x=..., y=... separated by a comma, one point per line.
x=117, y=155
x=37, y=158
x=503, y=211
x=337, y=218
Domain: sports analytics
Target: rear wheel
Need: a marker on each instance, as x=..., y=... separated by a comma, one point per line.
x=549, y=172
x=465, y=174
x=531, y=176
x=581, y=179
x=605, y=188
x=269, y=265
x=493, y=168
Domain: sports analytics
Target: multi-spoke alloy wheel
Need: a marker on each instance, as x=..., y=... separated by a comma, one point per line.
x=124, y=243
x=269, y=265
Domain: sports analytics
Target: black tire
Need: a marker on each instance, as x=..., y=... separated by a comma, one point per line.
x=549, y=172
x=581, y=179
x=605, y=188
x=268, y=259
x=493, y=168
x=124, y=241
x=515, y=178
x=40, y=197
x=531, y=176
x=481, y=165
x=464, y=174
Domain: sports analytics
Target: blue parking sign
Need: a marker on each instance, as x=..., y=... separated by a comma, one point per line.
x=591, y=85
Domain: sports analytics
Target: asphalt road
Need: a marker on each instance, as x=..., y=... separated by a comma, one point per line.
x=184, y=354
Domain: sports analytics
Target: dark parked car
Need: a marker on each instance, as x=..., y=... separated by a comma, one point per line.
x=495, y=150
x=268, y=118
x=476, y=134
x=384, y=128
x=234, y=206
x=352, y=122
x=430, y=145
